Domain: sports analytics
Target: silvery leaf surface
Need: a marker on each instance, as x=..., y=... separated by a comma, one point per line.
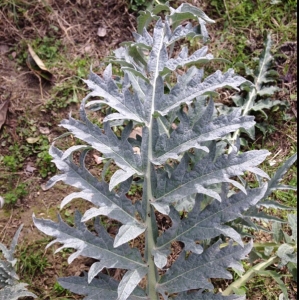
x=187, y=93
x=207, y=223
x=107, y=143
x=200, y=56
x=187, y=11
x=116, y=206
x=199, y=295
x=158, y=55
x=90, y=245
x=254, y=212
x=129, y=282
x=193, y=131
x=292, y=220
x=262, y=72
x=102, y=288
x=129, y=108
x=273, y=204
x=268, y=90
x=9, y=253
x=195, y=271
x=287, y=254
x=8, y=275
x=183, y=31
x=14, y=292
x=183, y=182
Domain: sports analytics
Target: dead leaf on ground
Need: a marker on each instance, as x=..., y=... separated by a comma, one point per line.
x=3, y=112
x=135, y=131
x=32, y=140
x=102, y=31
x=36, y=65
x=29, y=168
x=97, y=159
x=44, y=130
x=4, y=49
x=136, y=150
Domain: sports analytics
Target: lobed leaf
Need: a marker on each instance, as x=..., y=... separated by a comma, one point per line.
x=107, y=143
x=14, y=292
x=88, y=244
x=102, y=288
x=194, y=271
x=128, y=107
x=278, y=176
x=205, y=224
x=196, y=127
x=181, y=182
x=187, y=93
x=115, y=206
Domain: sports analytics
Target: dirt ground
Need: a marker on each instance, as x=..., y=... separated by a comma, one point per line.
x=86, y=29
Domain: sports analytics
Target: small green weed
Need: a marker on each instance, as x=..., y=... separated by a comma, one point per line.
x=11, y=162
x=32, y=260
x=137, y=5
x=135, y=190
x=12, y=196
x=47, y=48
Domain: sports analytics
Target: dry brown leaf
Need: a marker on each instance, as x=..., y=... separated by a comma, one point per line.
x=135, y=131
x=32, y=140
x=97, y=159
x=4, y=49
x=29, y=168
x=44, y=130
x=3, y=112
x=36, y=65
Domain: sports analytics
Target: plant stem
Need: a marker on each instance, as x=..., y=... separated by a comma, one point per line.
x=251, y=272
x=150, y=242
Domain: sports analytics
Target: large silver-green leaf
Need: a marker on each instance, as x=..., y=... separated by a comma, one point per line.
x=181, y=182
x=8, y=275
x=14, y=292
x=90, y=245
x=116, y=206
x=187, y=93
x=102, y=288
x=205, y=224
x=193, y=271
x=195, y=127
x=10, y=288
x=107, y=143
x=198, y=57
x=128, y=107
